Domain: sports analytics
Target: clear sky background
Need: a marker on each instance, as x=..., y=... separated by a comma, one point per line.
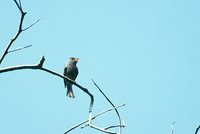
x=144, y=53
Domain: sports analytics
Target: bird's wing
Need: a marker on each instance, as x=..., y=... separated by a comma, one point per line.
x=65, y=74
x=72, y=72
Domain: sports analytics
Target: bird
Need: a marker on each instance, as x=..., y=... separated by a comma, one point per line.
x=70, y=71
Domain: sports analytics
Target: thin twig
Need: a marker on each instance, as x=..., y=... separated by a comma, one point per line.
x=120, y=122
x=17, y=34
x=102, y=130
x=172, y=129
x=20, y=30
x=94, y=117
x=20, y=4
x=21, y=48
x=31, y=25
x=114, y=126
x=197, y=129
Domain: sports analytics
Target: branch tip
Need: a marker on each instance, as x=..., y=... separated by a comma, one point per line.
x=17, y=49
x=31, y=25
x=41, y=62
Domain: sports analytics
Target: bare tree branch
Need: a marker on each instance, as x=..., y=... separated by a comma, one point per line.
x=20, y=67
x=21, y=48
x=94, y=117
x=120, y=121
x=197, y=129
x=20, y=30
x=123, y=125
x=114, y=126
x=31, y=25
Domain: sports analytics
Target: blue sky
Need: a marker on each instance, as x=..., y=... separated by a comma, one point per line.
x=144, y=53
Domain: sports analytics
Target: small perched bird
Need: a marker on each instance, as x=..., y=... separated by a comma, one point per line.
x=71, y=71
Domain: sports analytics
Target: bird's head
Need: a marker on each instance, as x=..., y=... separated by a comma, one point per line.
x=73, y=60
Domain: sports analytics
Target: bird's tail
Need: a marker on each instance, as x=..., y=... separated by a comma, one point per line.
x=70, y=92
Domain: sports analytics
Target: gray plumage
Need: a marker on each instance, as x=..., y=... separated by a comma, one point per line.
x=71, y=71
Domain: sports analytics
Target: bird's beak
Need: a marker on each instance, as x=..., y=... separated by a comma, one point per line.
x=77, y=59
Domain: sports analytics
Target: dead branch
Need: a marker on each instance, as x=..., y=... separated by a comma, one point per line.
x=197, y=129
x=20, y=30
x=114, y=126
x=94, y=117
x=21, y=48
x=31, y=25
x=119, y=118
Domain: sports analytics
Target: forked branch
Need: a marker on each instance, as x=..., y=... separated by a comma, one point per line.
x=94, y=117
x=20, y=30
